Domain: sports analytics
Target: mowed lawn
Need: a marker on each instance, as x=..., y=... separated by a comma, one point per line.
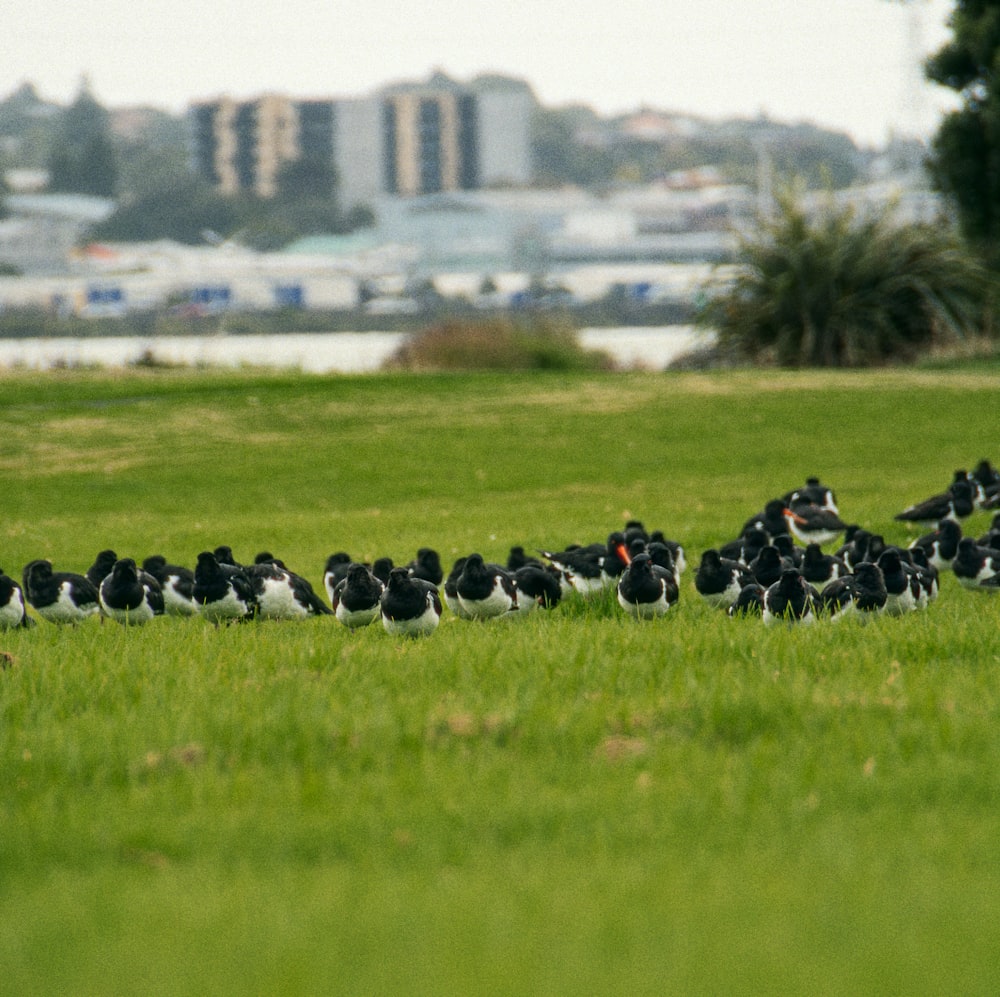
x=572, y=803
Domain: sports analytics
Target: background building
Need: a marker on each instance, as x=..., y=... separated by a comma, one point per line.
x=406, y=140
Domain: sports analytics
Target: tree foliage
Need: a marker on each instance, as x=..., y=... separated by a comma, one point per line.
x=843, y=289
x=965, y=159
x=82, y=159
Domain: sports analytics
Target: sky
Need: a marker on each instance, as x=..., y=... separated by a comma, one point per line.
x=848, y=65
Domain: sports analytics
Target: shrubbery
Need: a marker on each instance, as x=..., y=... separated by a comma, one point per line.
x=498, y=344
x=845, y=290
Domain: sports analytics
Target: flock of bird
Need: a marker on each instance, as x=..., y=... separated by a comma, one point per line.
x=775, y=568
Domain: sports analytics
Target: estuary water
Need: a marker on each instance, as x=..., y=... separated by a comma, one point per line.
x=319, y=352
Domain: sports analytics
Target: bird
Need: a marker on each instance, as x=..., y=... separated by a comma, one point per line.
x=812, y=493
x=381, y=569
x=12, y=608
x=176, y=584
x=647, y=590
x=224, y=555
x=813, y=524
x=677, y=552
x=222, y=591
x=768, y=565
x=537, y=585
x=771, y=519
x=335, y=571
x=750, y=601
x=861, y=546
x=409, y=607
x=861, y=592
x=59, y=596
x=427, y=565
x=901, y=586
x=356, y=597
x=282, y=594
x=450, y=590
x=941, y=544
x=975, y=566
x=720, y=580
x=955, y=503
x=101, y=568
x=130, y=596
x=821, y=569
x=485, y=590
x=746, y=546
x=518, y=558
x=790, y=598
x=589, y=570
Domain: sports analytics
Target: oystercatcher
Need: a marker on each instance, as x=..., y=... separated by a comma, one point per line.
x=222, y=591
x=956, y=503
x=720, y=580
x=59, y=596
x=450, y=590
x=335, y=571
x=409, y=607
x=176, y=584
x=771, y=519
x=747, y=546
x=812, y=493
x=941, y=544
x=382, y=568
x=589, y=570
x=128, y=598
x=991, y=538
x=427, y=565
x=750, y=601
x=646, y=590
x=975, y=566
x=768, y=565
x=485, y=590
x=813, y=524
x=791, y=598
x=862, y=592
x=677, y=553
x=901, y=585
x=356, y=597
x=518, y=558
x=281, y=594
x=537, y=585
x=101, y=567
x=12, y=611
x=821, y=569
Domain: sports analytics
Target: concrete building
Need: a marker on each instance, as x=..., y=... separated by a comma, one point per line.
x=410, y=139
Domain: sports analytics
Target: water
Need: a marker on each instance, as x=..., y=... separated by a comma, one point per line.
x=320, y=353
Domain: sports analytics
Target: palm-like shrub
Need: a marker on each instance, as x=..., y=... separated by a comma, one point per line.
x=840, y=289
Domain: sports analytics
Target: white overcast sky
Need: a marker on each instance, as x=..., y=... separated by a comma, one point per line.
x=845, y=64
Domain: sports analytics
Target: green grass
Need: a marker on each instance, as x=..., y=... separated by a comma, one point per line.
x=571, y=803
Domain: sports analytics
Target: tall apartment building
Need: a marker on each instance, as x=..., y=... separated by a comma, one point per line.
x=412, y=139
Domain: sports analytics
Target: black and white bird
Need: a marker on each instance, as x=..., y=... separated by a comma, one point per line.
x=790, y=599
x=862, y=592
x=901, y=585
x=941, y=544
x=771, y=519
x=130, y=596
x=282, y=594
x=485, y=590
x=176, y=584
x=427, y=565
x=976, y=566
x=750, y=601
x=647, y=590
x=101, y=568
x=955, y=503
x=449, y=590
x=821, y=569
x=720, y=580
x=409, y=607
x=768, y=565
x=335, y=571
x=591, y=569
x=12, y=607
x=59, y=596
x=222, y=591
x=356, y=597
x=813, y=524
x=538, y=585
x=812, y=493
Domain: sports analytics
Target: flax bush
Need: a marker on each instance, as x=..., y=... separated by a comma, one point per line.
x=839, y=288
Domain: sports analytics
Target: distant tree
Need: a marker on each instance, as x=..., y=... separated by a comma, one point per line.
x=83, y=159
x=307, y=178
x=965, y=157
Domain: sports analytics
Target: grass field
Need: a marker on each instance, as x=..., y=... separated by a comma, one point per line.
x=571, y=803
